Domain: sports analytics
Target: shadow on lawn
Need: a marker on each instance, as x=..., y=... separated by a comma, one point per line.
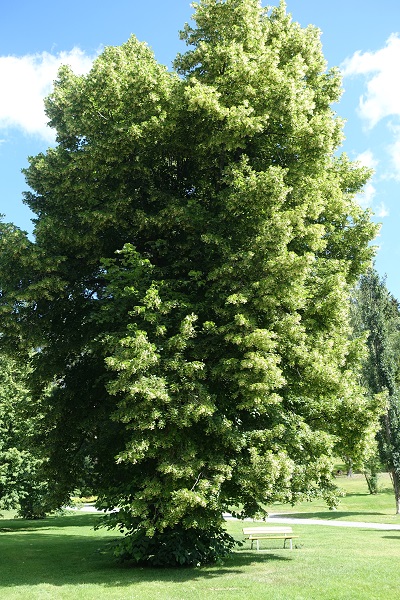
x=33, y=554
x=51, y=522
x=329, y=515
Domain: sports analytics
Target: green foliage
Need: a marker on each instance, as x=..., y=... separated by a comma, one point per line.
x=33, y=503
x=376, y=315
x=372, y=468
x=176, y=546
x=21, y=483
x=186, y=292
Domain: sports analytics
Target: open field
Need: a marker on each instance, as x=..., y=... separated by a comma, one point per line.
x=62, y=557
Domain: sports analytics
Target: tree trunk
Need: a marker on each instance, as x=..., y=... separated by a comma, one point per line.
x=349, y=466
x=372, y=482
x=394, y=476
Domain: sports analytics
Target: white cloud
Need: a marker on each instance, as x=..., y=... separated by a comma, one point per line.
x=26, y=80
x=394, y=151
x=382, y=96
x=366, y=197
x=367, y=159
x=381, y=210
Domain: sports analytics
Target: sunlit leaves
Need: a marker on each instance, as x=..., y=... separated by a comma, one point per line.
x=206, y=237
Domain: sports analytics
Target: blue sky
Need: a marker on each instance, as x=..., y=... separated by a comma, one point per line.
x=361, y=37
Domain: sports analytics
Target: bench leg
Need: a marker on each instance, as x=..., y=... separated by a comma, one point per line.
x=258, y=545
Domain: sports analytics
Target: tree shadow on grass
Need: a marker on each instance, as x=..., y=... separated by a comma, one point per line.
x=50, y=522
x=386, y=490
x=39, y=555
x=329, y=515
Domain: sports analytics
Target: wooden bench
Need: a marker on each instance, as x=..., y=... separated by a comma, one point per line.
x=255, y=534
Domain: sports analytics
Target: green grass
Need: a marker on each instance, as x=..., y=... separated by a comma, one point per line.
x=62, y=557
x=357, y=505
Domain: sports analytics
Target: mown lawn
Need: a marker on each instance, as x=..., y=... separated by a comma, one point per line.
x=64, y=558
x=357, y=505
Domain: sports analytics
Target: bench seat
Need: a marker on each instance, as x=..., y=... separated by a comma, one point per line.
x=255, y=534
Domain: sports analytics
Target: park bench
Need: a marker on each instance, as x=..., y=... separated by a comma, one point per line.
x=255, y=534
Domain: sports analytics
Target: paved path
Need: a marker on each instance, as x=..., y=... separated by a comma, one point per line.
x=278, y=518
x=284, y=518
x=83, y=508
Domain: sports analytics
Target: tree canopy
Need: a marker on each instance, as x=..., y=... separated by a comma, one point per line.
x=186, y=293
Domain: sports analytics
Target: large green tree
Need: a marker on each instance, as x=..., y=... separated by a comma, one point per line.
x=196, y=237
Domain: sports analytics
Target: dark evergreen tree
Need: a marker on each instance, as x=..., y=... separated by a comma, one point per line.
x=376, y=313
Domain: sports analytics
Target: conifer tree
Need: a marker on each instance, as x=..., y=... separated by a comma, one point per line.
x=376, y=315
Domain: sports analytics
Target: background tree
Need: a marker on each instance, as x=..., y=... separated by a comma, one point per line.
x=22, y=485
x=376, y=314
x=195, y=242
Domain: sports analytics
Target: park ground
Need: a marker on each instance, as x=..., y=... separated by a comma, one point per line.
x=63, y=557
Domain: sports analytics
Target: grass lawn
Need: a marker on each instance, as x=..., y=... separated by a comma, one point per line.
x=64, y=558
x=357, y=505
